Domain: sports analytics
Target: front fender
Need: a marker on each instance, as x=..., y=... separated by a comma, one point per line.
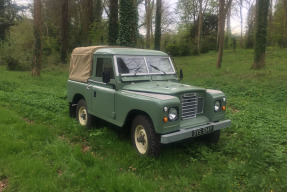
x=149, y=103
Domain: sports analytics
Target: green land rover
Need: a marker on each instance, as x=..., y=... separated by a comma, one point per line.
x=139, y=89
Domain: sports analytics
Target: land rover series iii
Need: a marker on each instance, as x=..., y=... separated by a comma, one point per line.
x=139, y=89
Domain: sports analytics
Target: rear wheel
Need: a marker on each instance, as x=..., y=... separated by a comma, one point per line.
x=144, y=138
x=83, y=117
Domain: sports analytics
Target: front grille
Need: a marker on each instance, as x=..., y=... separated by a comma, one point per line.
x=191, y=105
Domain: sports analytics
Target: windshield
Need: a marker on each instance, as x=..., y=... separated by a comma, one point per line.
x=144, y=65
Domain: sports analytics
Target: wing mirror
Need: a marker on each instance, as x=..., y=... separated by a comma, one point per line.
x=180, y=74
x=106, y=76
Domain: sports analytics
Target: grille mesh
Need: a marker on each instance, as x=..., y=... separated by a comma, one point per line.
x=191, y=105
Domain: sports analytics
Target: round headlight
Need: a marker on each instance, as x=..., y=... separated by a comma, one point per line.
x=172, y=114
x=217, y=106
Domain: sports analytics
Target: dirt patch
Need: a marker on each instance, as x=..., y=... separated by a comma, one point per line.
x=28, y=121
x=234, y=110
x=3, y=184
x=85, y=148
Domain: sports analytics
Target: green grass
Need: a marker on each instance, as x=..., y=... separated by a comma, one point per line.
x=42, y=149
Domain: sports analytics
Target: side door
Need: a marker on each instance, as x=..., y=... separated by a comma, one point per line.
x=103, y=95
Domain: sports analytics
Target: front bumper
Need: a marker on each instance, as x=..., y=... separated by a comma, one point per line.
x=194, y=132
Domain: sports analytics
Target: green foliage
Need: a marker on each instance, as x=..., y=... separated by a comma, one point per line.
x=42, y=149
x=8, y=15
x=128, y=23
x=250, y=28
x=98, y=33
x=184, y=42
x=279, y=29
x=17, y=53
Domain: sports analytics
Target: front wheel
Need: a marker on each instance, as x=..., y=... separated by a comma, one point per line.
x=83, y=117
x=213, y=137
x=144, y=138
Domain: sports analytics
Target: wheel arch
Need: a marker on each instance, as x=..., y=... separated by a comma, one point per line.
x=131, y=115
x=73, y=104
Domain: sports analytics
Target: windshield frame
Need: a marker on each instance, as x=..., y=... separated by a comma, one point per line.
x=147, y=67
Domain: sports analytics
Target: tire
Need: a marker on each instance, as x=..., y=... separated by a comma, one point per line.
x=83, y=117
x=144, y=138
x=72, y=111
x=213, y=137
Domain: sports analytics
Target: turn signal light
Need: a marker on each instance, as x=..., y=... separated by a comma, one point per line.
x=223, y=108
x=165, y=119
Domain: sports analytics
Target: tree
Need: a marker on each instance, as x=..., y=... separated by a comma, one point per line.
x=192, y=13
x=285, y=23
x=228, y=21
x=261, y=32
x=157, y=37
x=64, y=31
x=148, y=20
x=2, y=22
x=113, y=22
x=8, y=14
x=200, y=15
x=86, y=20
x=98, y=26
x=241, y=23
x=128, y=28
x=36, y=64
x=223, y=8
x=279, y=24
x=251, y=27
x=200, y=22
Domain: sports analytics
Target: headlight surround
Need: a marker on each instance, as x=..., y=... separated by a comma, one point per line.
x=172, y=114
x=217, y=106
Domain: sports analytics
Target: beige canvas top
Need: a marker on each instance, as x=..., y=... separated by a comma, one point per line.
x=81, y=63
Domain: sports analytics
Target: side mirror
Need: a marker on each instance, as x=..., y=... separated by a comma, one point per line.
x=180, y=74
x=106, y=76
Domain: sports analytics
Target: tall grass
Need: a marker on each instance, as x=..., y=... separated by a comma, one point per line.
x=42, y=149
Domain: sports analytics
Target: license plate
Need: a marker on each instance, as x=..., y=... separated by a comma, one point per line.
x=202, y=131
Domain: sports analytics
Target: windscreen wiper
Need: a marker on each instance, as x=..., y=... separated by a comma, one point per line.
x=137, y=69
x=155, y=67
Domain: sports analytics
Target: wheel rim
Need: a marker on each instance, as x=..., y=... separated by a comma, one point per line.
x=141, y=139
x=83, y=117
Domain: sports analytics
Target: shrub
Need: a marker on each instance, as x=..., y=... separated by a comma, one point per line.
x=172, y=49
x=12, y=64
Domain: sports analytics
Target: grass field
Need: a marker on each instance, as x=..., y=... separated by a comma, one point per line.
x=42, y=149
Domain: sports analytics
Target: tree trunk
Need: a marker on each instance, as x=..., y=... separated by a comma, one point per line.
x=128, y=23
x=261, y=32
x=270, y=22
x=36, y=65
x=148, y=8
x=113, y=22
x=2, y=16
x=64, y=31
x=157, y=39
x=285, y=23
x=221, y=25
x=87, y=19
x=200, y=20
x=98, y=12
x=241, y=24
x=228, y=24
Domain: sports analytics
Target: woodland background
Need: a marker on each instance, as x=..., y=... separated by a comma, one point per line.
x=45, y=32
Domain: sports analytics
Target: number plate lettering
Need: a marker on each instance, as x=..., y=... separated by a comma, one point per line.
x=202, y=131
